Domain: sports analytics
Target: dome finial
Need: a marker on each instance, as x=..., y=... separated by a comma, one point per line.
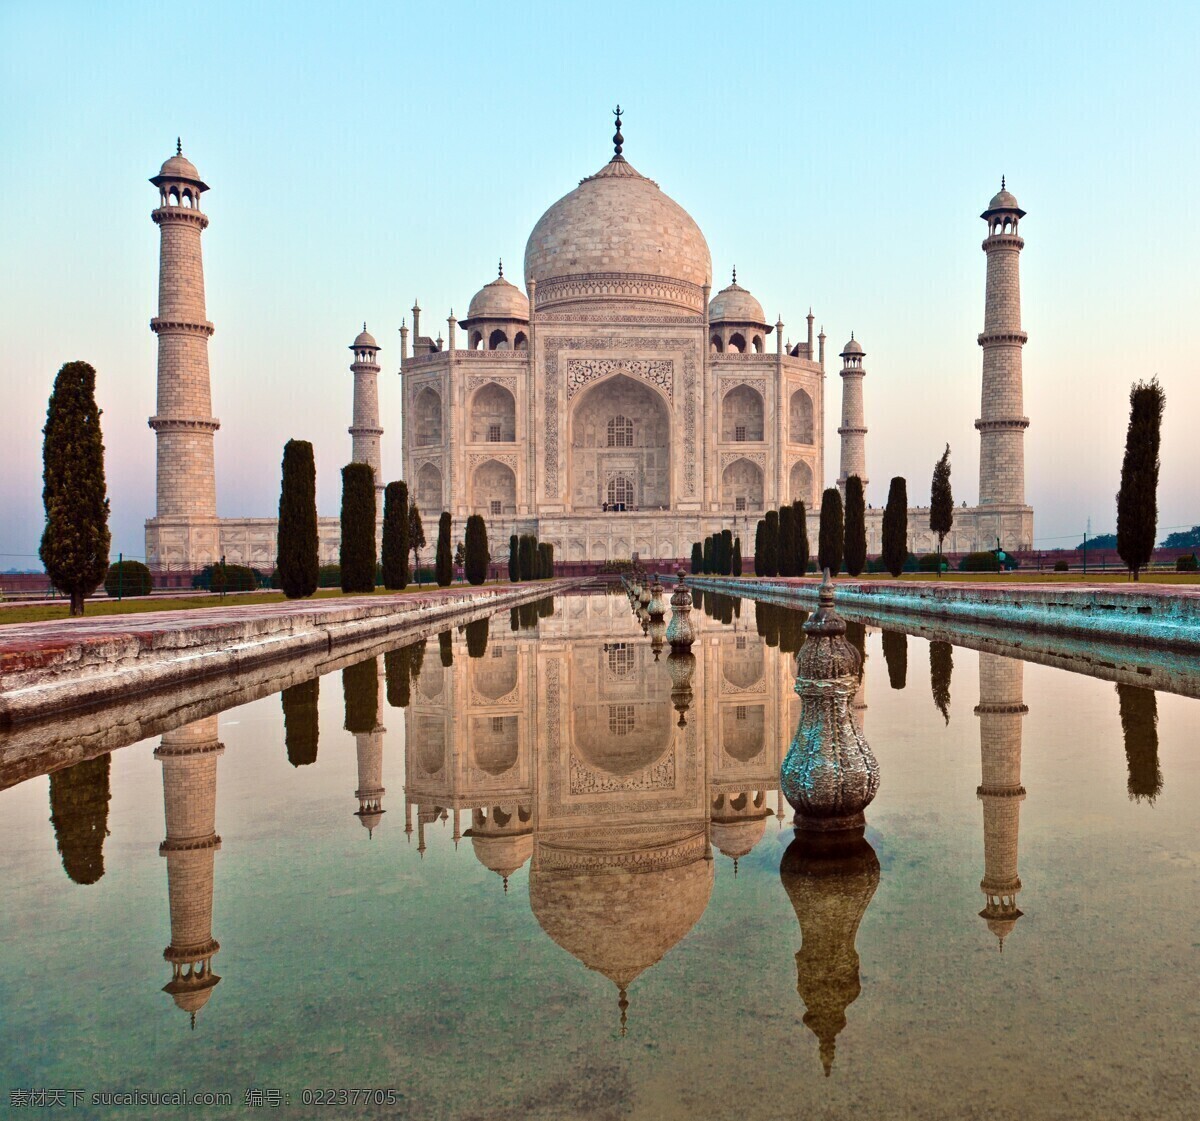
x=178, y=146
x=623, y=1005
x=1002, y=187
x=364, y=324
x=852, y=336
x=735, y=274
x=501, y=272
x=618, y=139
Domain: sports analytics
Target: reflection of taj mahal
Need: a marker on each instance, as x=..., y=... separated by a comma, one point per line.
x=615, y=404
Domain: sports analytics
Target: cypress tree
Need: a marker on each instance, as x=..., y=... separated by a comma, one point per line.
x=476, y=560
x=800, y=529
x=895, y=654
x=514, y=560
x=726, y=552
x=416, y=537
x=760, y=534
x=697, y=558
x=830, y=541
x=360, y=694
x=941, y=503
x=736, y=565
x=297, y=560
x=358, y=528
x=1139, y=725
x=300, y=724
x=1137, y=500
x=397, y=673
x=442, y=562
x=76, y=539
x=708, y=555
x=941, y=666
x=895, y=527
x=79, y=797
x=770, y=565
x=856, y=526
x=525, y=556
x=477, y=637
x=787, y=541
x=395, y=536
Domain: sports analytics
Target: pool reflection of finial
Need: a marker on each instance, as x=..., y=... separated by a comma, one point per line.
x=680, y=632
x=829, y=774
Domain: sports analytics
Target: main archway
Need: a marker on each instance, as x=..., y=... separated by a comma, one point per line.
x=620, y=446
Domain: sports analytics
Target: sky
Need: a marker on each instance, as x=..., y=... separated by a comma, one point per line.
x=363, y=155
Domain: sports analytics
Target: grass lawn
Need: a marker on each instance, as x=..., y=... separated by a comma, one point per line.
x=102, y=605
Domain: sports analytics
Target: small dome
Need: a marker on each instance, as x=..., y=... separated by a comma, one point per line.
x=178, y=169
x=365, y=339
x=502, y=855
x=1003, y=200
x=735, y=837
x=734, y=304
x=499, y=300
x=852, y=347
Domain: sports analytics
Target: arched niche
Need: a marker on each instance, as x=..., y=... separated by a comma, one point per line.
x=494, y=488
x=493, y=415
x=620, y=430
x=742, y=413
x=742, y=486
x=495, y=743
x=427, y=418
x=495, y=676
x=498, y=340
x=743, y=668
x=742, y=731
x=800, y=418
x=429, y=495
x=430, y=742
x=801, y=484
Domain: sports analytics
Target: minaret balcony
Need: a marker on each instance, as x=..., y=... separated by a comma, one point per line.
x=1002, y=338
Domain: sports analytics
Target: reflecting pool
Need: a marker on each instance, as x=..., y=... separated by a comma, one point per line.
x=520, y=869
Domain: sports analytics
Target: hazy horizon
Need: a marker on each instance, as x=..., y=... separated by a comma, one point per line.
x=838, y=158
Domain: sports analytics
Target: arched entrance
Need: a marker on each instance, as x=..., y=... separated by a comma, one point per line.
x=620, y=447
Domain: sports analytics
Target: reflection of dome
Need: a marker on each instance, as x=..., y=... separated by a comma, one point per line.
x=502, y=854
x=736, y=305
x=622, y=739
x=619, y=912
x=619, y=229
x=736, y=837
x=499, y=300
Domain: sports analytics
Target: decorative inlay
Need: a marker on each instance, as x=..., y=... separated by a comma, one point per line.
x=476, y=458
x=759, y=385
x=660, y=776
x=758, y=458
x=660, y=372
x=621, y=285
x=505, y=381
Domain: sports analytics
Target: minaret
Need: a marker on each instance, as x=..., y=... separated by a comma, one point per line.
x=189, y=760
x=1000, y=711
x=366, y=430
x=853, y=430
x=1002, y=423
x=184, y=528
x=370, y=790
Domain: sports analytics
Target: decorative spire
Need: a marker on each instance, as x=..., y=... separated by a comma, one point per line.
x=735, y=274
x=501, y=273
x=852, y=336
x=178, y=146
x=618, y=139
x=1002, y=187
x=364, y=324
x=623, y=1005
x=505, y=885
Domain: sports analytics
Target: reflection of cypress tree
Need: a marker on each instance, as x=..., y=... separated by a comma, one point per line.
x=895, y=653
x=545, y=608
x=398, y=675
x=766, y=622
x=514, y=619
x=477, y=638
x=446, y=648
x=941, y=666
x=360, y=689
x=1139, y=723
x=856, y=635
x=698, y=599
x=300, y=725
x=79, y=813
x=791, y=629
x=416, y=658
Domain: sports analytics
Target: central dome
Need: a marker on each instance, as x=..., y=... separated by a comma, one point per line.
x=618, y=238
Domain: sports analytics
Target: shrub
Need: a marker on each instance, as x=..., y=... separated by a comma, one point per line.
x=329, y=576
x=1186, y=563
x=1061, y=566
x=983, y=561
x=132, y=578
x=928, y=562
x=229, y=578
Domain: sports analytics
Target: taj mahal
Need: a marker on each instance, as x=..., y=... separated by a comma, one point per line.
x=613, y=405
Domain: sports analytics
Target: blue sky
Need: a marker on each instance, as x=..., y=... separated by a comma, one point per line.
x=839, y=155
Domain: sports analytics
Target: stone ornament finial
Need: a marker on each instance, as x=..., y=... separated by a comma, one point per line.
x=178, y=146
x=500, y=274
x=618, y=139
x=829, y=774
x=735, y=274
x=1002, y=186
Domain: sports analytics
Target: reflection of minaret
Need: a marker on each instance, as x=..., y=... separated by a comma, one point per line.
x=1000, y=711
x=370, y=790
x=189, y=759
